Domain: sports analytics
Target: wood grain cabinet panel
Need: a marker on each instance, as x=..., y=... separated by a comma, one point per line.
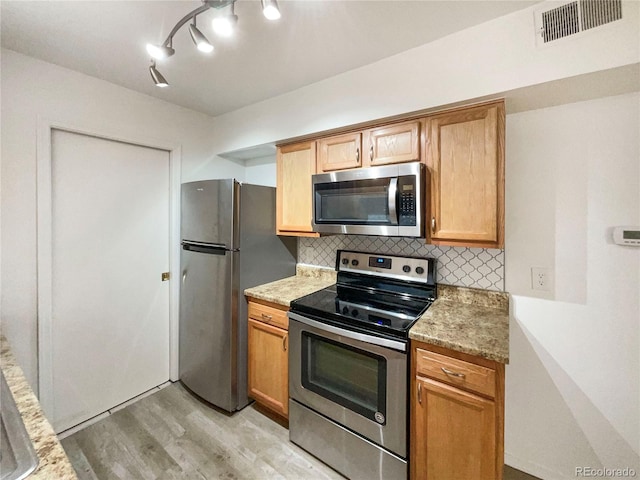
x=466, y=163
x=456, y=423
x=457, y=433
x=339, y=152
x=268, y=366
x=391, y=144
x=268, y=314
x=465, y=375
x=295, y=164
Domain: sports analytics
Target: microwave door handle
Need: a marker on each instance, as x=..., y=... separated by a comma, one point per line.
x=392, y=192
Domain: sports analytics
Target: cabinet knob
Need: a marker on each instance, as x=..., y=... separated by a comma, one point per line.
x=433, y=224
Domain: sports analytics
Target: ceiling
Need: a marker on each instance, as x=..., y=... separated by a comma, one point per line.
x=312, y=41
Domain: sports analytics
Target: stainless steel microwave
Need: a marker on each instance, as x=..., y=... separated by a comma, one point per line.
x=387, y=200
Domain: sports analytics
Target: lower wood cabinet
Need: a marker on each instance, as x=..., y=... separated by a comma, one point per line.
x=457, y=416
x=268, y=364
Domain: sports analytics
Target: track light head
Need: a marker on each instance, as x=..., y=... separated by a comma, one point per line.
x=199, y=39
x=157, y=77
x=160, y=51
x=224, y=25
x=270, y=9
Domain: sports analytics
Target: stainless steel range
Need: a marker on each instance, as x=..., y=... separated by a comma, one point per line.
x=348, y=363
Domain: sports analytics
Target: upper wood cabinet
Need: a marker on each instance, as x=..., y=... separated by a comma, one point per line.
x=339, y=152
x=465, y=156
x=295, y=164
x=396, y=143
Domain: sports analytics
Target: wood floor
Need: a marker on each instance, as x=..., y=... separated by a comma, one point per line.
x=172, y=435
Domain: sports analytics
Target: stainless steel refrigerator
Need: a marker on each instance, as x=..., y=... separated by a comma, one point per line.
x=228, y=244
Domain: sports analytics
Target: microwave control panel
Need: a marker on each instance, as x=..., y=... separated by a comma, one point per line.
x=408, y=201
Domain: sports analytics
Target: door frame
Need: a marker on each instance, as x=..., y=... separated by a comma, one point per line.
x=44, y=237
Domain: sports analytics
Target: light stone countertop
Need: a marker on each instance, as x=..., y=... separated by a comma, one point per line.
x=308, y=279
x=467, y=320
x=53, y=463
x=463, y=319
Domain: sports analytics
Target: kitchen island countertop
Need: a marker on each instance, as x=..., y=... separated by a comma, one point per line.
x=53, y=462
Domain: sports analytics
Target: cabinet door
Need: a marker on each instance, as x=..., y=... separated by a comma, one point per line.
x=295, y=164
x=339, y=152
x=393, y=144
x=453, y=433
x=466, y=160
x=269, y=366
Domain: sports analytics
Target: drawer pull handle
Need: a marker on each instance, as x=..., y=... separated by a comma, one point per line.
x=267, y=317
x=453, y=374
x=420, y=393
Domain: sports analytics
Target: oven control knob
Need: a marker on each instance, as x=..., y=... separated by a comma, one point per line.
x=354, y=313
x=419, y=270
x=406, y=269
x=354, y=262
x=345, y=310
x=345, y=261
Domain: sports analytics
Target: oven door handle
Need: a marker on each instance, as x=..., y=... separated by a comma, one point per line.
x=363, y=337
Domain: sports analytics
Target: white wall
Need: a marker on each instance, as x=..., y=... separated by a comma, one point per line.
x=261, y=171
x=33, y=89
x=573, y=385
x=497, y=56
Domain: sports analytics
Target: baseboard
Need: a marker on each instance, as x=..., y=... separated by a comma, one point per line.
x=533, y=468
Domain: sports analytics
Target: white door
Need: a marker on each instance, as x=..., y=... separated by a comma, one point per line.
x=110, y=245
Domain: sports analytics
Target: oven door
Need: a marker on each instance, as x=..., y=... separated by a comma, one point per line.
x=347, y=377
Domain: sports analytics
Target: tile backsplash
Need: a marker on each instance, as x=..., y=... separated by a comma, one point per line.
x=460, y=266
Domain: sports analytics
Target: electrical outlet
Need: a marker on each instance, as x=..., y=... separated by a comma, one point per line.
x=541, y=279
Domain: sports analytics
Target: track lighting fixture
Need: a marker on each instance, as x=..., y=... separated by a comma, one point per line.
x=270, y=9
x=199, y=39
x=157, y=77
x=222, y=24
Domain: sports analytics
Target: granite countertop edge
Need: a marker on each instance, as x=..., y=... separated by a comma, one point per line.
x=466, y=320
x=52, y=459
x=480, y=331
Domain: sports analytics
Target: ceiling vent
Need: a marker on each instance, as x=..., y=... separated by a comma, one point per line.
x=575, y=17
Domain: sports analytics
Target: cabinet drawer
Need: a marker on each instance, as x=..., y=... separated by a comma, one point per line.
x=270, y=315
x=456, y=372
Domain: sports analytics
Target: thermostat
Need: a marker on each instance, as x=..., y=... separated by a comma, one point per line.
x=629, y=236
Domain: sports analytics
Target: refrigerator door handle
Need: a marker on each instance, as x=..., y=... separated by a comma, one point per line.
x=203, y=244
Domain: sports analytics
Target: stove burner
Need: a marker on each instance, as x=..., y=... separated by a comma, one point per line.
x=371, y=300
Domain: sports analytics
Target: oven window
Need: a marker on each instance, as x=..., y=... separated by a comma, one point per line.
x=358, y=202
x=353, y=378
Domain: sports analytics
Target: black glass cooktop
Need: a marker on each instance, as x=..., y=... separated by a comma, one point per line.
x=365, y=309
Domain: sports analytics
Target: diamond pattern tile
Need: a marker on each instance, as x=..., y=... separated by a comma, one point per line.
x=460, y=266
